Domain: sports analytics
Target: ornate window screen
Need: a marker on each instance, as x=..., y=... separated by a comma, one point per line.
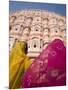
x=37, y=28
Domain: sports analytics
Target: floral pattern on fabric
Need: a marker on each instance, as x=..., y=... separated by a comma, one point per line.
x=48, y=69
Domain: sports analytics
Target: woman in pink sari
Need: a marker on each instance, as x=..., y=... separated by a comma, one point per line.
x=48, y=69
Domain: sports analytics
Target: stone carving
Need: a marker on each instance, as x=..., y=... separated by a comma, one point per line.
x=37, y=28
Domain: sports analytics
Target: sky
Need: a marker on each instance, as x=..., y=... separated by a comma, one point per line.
x=19, y=5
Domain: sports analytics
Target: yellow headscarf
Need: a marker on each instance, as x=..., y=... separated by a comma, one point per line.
x=18, y=64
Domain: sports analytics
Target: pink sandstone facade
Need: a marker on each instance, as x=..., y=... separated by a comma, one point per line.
x=37, y=28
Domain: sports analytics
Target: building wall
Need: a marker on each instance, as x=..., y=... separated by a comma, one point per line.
x=37, y=28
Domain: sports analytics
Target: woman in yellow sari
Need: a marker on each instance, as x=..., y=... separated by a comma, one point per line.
x=18, y=64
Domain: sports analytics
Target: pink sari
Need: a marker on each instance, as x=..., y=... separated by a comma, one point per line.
x=48, y=69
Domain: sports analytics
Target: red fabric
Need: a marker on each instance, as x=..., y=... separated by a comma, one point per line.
x=49, y=68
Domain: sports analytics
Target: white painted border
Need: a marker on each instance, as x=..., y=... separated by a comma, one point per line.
x=47, y=1
x=4, y=41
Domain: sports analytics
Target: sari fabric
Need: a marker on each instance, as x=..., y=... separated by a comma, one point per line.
x=18, y=64
x=48, y=69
